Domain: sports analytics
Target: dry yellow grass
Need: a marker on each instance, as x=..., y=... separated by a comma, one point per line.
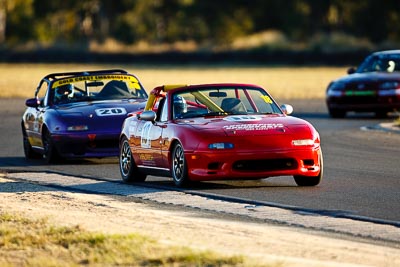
x=20, y=80
x=26, y=242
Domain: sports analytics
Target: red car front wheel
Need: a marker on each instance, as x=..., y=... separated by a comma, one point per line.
x=311, y=180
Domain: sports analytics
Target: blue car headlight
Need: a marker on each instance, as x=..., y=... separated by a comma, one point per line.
x=336, y=89
x=389, y=85
x=77, y=128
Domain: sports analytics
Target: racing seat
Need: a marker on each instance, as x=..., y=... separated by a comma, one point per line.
x=114, y=90
x=233, y=105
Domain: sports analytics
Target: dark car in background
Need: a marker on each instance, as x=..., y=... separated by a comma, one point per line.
x=372, y=87
x=79, y=114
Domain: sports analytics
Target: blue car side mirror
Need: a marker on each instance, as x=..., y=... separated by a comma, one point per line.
x=32, y=102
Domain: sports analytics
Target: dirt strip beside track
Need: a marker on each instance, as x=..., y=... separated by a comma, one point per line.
x=181, y=219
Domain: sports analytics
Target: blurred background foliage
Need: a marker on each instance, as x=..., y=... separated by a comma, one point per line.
x=198, y=25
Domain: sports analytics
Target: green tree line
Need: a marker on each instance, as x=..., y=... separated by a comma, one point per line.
x=212, y=22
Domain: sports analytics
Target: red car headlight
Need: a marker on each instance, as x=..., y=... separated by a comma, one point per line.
x=303, y=142
x=221, y=146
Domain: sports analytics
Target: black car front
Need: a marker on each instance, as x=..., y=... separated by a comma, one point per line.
x=376, y=92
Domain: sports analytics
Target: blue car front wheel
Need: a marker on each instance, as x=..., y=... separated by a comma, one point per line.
x=50, y=151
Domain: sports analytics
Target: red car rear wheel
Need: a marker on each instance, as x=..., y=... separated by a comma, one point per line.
x=129, y=171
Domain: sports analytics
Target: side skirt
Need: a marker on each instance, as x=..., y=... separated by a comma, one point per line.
x=155, y=171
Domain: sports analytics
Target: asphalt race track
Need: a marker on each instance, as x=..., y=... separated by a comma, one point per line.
x=361, y=174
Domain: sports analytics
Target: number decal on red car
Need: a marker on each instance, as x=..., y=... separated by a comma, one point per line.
x=146, y=138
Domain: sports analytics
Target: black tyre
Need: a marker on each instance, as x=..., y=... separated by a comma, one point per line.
x=335, y=113
x=179, y=169
x=28, y=150
x=311, y=180
x=129, y=170
x=381, y=114
x=50, y=151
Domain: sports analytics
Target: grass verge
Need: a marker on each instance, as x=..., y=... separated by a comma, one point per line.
x=397, y=122
x=26, y=242
x=21, y=80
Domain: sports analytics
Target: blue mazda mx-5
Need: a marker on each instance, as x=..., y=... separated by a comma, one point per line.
x=79, y=114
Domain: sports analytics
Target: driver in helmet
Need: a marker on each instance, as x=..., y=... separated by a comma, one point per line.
x=179, y=107
x=64, y=93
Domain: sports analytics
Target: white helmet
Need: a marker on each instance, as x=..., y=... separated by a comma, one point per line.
x=180, y=106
